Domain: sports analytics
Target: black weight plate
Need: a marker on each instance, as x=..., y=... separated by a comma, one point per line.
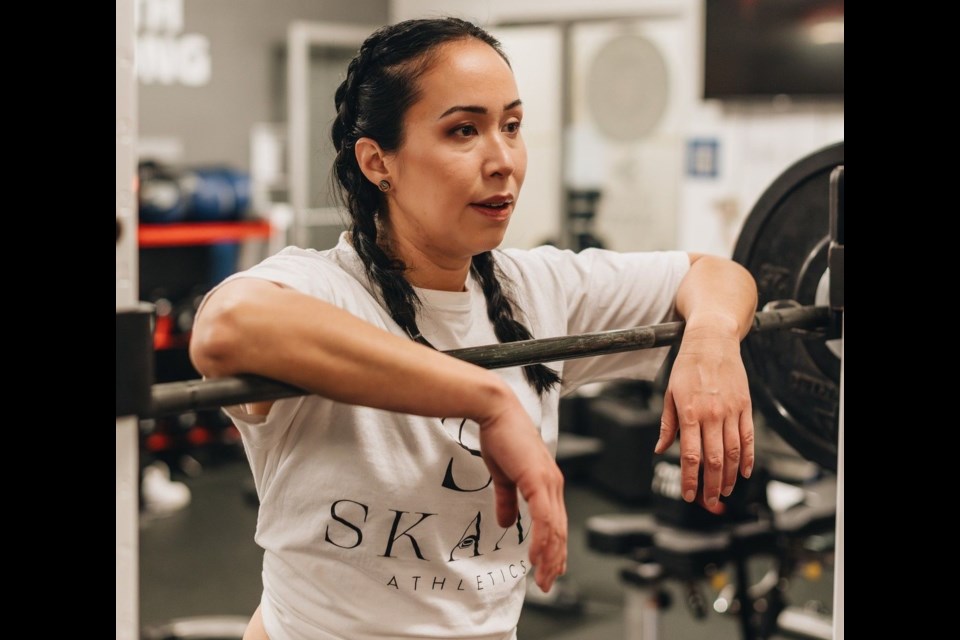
x=795, y=379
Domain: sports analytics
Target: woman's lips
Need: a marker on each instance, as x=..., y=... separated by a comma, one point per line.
x=494, y=213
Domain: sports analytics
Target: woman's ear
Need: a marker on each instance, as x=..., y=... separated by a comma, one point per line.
x=371, y=159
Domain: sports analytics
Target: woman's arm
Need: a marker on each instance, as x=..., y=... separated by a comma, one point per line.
x=254, y=326
x=257, y=327
x=707, y=397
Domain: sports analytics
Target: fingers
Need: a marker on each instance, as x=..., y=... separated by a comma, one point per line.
x=717, y=509
x=668, y=423
x=713, y=459
x=548, y=548
x=731, y=454
x=550, y=564
x=723, y=452
x=690, y=448
x=746, y=443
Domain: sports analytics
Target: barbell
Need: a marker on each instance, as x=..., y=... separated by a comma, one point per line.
x=790, y=238
x=195, y=395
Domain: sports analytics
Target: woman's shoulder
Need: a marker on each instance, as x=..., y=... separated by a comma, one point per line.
x=555, y=257
x=540, y=268
x=540, y=255
x=340, y=259
x=321, y=273
x=546, y=266
x=546, y=259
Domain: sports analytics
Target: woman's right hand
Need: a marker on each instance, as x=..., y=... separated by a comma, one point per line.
x=518, y=459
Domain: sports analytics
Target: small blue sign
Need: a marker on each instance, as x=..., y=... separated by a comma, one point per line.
x=703, y=157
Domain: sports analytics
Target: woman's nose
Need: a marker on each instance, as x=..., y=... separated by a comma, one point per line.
x=501, y=156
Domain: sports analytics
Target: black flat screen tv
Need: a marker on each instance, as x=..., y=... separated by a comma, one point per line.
x=764, y=48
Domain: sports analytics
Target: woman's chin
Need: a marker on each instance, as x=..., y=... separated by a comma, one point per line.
x=491, y=241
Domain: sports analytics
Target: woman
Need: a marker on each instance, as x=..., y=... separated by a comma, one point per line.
x=414, y=492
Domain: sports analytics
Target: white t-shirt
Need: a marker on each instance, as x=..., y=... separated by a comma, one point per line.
x=382, y=525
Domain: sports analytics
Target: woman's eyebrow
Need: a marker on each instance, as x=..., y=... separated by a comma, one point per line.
x=476, y=109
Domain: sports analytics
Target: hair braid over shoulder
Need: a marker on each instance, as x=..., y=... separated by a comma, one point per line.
x=380, y=86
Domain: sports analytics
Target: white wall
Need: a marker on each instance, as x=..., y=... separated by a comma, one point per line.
x=638, y=174
x=756, y=142
x=534, y=54
x=211, y=123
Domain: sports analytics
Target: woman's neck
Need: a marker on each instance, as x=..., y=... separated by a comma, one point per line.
x=427, y=271
x=426, y=274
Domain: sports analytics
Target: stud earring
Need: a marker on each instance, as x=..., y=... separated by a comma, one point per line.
x=384, y=185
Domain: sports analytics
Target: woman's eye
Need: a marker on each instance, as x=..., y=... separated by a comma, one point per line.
x=465, y=130
x=512, y=127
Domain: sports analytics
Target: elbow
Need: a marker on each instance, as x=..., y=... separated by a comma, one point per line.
x=216, y=338
x=745, y=277
x=749, y=283
x=728, y=268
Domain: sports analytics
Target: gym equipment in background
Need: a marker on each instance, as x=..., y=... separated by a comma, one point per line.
x=785, y=243
x=218, y=193
x=163, y=193
x=170, y=194
x=792, y=242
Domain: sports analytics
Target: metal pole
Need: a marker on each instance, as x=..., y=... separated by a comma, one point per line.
x=128, y=486
x=193, y=395
x=298, y=128
x=838, y=565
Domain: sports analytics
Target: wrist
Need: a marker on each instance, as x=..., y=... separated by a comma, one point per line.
x=712, y=324
x=492, y=398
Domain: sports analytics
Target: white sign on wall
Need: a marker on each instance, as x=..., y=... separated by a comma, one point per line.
x=166, y=55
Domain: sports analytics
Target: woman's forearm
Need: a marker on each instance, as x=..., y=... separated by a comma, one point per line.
x=256, y=327
x=717, y=295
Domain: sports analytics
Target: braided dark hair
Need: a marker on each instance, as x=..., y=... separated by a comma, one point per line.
x=381, y=85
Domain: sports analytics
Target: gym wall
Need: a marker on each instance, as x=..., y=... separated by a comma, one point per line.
x=190, y=116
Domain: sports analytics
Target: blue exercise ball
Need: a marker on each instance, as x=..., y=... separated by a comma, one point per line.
x=219, y=193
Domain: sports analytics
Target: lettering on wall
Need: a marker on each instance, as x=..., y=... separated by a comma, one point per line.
x=165, y=54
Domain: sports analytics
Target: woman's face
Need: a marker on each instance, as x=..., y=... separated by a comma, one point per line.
x=456, y=177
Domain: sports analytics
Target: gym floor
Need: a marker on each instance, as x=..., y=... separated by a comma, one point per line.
x=202, y=560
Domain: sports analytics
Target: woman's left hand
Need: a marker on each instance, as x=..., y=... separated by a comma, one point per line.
x=708, y=400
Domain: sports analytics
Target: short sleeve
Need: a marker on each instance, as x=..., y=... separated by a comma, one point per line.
x=601, y=290
x=303, y=270
x=262, y=431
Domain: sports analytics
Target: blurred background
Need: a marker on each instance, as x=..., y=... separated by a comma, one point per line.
x=650, y=124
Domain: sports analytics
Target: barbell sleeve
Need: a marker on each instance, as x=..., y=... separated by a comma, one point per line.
x=194, y=395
